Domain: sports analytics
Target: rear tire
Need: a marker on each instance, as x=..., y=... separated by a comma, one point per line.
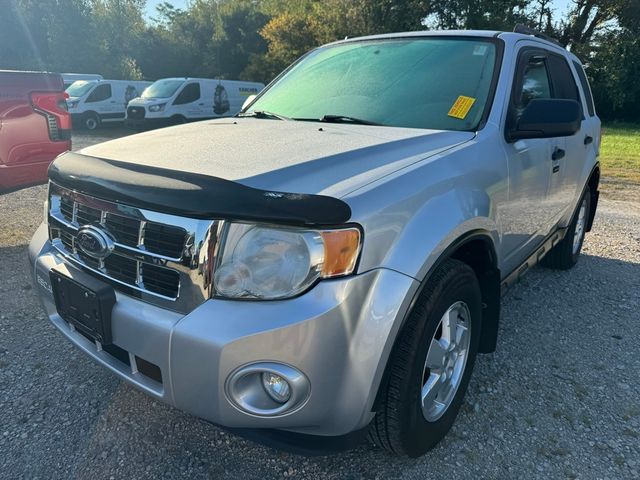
x=566, y=253
x=426, y=382
x=90, y=121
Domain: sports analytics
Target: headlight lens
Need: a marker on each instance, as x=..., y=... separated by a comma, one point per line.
x=271, y=263
x=72, y=104
x=157, y=108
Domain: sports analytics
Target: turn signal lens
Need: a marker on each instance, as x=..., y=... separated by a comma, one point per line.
x=341, y=248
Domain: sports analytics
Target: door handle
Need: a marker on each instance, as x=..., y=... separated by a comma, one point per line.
x=557, y=154
x=588, y=139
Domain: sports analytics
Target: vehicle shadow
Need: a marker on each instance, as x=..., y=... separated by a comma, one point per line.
x=541, y=387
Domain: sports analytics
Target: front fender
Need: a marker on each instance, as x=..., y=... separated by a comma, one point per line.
x=411, y=219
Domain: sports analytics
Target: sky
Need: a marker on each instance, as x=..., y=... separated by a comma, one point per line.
x=560, y=5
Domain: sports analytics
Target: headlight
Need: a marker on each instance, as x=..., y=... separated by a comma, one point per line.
x=271, y=262
x=157, y=108
x=72, y=104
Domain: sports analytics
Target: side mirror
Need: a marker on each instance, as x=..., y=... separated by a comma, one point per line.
x=248, y=102
x=547, y=118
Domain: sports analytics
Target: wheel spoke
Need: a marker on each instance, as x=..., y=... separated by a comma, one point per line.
x=450, y=326
x=461, y=334
x=435, y=356
x=430, y=391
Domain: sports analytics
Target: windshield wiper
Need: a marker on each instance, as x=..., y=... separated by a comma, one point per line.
x=263, y=114
x=346, y=119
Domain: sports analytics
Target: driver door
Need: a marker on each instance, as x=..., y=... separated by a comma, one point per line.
x=190, y=101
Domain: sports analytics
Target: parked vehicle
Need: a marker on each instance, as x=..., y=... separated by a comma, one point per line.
x=328, y=263
x=69, y=78
x=94, y=102
x=35, y=126
x=173, y=101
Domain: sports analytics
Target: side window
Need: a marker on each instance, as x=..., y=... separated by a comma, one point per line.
x=564, y=84
x=585, y=88
x=534, y=83
x=189, y=94
x=100, y=93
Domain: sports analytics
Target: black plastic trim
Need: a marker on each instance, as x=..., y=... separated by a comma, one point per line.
x=192, y=195
x=595, y=194
x=303, y=444
x=538, y=254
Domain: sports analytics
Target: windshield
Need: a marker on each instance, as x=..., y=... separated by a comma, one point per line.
x=434, y=83
x=162, y=89
x=79, y=88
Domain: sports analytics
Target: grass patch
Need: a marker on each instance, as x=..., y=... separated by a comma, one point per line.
x=620, y=151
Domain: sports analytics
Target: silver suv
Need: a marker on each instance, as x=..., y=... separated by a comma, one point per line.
x=328, y=263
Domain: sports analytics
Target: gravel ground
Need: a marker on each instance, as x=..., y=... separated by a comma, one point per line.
x=559, y=399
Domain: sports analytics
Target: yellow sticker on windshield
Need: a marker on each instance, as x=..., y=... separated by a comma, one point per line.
x=461, y=107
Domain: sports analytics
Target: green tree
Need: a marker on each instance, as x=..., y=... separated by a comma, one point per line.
x=480, y=14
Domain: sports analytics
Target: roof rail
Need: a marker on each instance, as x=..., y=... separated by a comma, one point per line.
x=520, y=28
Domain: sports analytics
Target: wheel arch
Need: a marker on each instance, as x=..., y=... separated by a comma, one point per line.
x=477, y=249
x=593, y=184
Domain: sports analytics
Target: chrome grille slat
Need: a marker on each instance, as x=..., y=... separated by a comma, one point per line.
x=164, y=259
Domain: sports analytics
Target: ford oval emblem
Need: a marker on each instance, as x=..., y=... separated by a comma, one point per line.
x=94, y=242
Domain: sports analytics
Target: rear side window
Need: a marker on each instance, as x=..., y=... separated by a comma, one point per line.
x=585, y=88
x=564, y=85
x=189, y=94
x=100, y=93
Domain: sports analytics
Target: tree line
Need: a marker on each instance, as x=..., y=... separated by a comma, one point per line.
x=256, y=39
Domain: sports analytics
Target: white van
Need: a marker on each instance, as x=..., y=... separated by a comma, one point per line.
x=178, y=100
x=69, y=78
x=94, y=102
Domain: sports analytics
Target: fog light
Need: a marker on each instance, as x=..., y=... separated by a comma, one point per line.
x=276, y=387
x=267, y=389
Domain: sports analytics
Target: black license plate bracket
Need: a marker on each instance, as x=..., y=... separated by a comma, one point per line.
x=83, y=301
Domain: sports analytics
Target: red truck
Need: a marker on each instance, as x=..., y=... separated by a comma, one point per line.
x=35, y=126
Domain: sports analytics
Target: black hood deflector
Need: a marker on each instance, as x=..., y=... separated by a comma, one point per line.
x=191, y=194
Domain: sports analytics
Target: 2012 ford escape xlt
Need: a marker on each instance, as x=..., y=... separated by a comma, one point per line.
x=329, y=262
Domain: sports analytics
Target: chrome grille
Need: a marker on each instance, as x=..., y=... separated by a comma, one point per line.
x=164, y=259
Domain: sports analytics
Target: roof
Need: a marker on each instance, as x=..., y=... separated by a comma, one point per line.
x=218, y=80
x=452, y=33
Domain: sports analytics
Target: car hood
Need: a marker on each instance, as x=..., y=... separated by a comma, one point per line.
x=146, y=100
x=286, y=156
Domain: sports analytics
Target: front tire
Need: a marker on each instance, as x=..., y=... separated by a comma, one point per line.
x=566, y=253
x=90, y=121
x=178, y=120
x=431, y=364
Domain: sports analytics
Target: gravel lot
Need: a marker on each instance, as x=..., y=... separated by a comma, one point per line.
x=559, y=399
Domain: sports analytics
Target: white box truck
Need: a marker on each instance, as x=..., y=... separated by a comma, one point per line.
x=171, y=101
x=93, y=102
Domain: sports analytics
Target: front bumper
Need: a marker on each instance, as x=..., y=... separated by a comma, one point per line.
x=339, y=335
